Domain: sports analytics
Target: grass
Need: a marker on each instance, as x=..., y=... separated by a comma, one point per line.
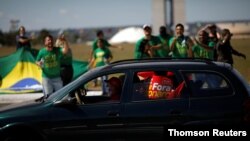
x=82, y=52
x=243, y=66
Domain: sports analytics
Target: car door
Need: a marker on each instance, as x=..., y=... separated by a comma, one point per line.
x=96, y=117
x=147, y=118
x=90, y=121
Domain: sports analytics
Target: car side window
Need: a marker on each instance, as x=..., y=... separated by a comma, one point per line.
x=206, y=84
x=101, y=89
x=155, y=85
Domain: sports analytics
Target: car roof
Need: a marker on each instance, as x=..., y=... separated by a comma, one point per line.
x=182, y=63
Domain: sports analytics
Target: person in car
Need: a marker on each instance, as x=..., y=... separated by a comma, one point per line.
x=160, y=85
x=115, y=88
x=163, y=86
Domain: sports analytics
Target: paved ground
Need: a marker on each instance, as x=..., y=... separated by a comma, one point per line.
x=15, y=98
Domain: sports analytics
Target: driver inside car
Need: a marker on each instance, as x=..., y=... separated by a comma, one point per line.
x=115, y=88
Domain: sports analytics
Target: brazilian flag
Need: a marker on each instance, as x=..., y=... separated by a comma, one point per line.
x=20, y=74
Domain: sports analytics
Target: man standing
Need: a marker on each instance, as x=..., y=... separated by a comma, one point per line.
x=22, y=40
x=181, y=45
x=224, y=49
x=153, y=41
x=201, y=49
x=49, y=59
x=164, y=38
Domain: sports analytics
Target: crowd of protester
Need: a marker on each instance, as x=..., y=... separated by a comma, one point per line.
x=55, y=60
x=207, y=44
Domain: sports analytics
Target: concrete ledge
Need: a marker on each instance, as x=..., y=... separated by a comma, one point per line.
x=16, y=98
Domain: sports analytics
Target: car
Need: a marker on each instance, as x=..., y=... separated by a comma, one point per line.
x=153, y=96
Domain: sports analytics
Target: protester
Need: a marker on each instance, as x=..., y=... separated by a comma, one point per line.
x=101, y=56
x=181, y=45
x=66, y=62
x=201, y=49
x=213, y=37
x=164, y=38
x=49, y=59
x=145, y=49
x=100, y=35
x=22, y=40
x=154, y=43
x=224, y=48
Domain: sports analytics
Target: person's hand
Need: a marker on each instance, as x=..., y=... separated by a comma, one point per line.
x=175, y=39
x=62, y=39
x=40, y=63
x=194, y=40
x=244, y=56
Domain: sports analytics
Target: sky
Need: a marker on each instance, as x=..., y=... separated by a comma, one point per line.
x=58, y=14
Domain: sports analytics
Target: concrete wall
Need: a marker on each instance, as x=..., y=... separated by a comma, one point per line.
x=158, y=15
x=179, y=12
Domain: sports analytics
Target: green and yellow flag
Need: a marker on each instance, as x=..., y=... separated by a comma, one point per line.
x=20, y=74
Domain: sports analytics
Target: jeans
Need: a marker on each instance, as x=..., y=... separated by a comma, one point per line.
x=51, y=85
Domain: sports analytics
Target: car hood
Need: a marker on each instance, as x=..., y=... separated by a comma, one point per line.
x=29, y=111
x=18, y=105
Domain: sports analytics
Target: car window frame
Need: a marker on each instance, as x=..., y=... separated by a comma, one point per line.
x=225, y=77
x=92, y=76
x=179, y=80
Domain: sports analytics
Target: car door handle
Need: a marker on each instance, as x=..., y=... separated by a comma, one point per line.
x=113, y=114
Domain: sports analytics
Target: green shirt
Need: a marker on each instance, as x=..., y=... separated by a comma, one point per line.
x=212, y=44
x=180, y=48
x=200, y=52
x=52, y=62
x=67, y=58
x=152, y=42
x=100, y=55
x=165, y=49
x=105, y=43
x=138, y=54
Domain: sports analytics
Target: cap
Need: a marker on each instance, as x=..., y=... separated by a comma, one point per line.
x=146, y=26
x=114, y=81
